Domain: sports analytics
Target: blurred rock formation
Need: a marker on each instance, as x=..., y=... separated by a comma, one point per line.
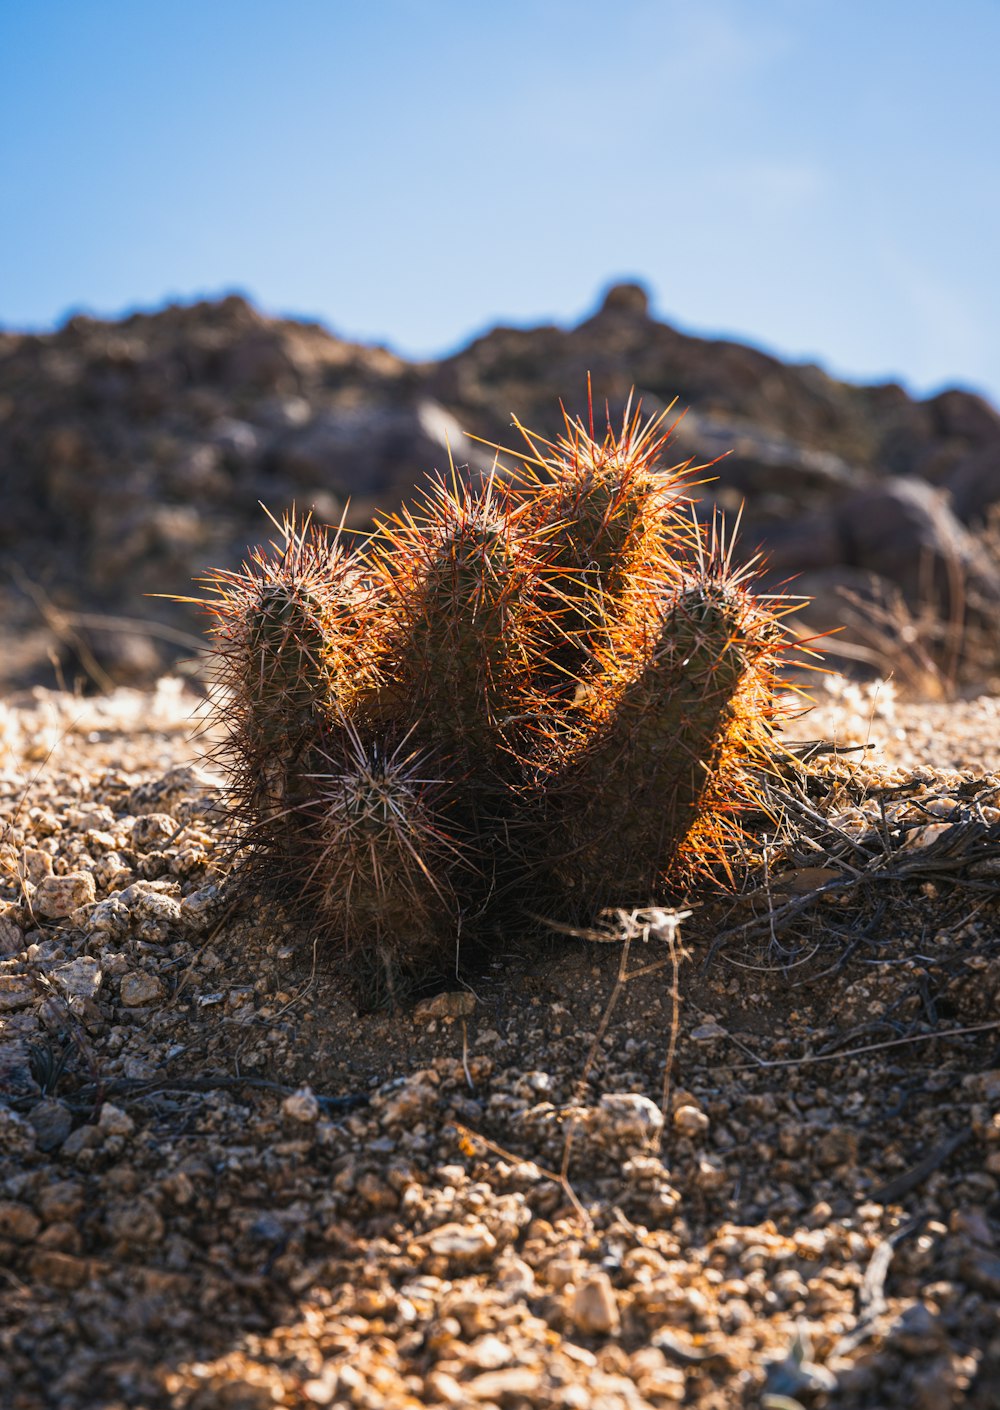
x=135, y=453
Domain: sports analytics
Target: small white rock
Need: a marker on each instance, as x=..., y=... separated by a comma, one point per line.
x=711, y=1174
x=301, y=1106
x=690, y=1120
x=626, y=1120
x=593, y=1306
x=80, y=978
x=57, y=896
x=109, y=918
x=709, y=1032
x=139, y=988
x=152, y=830
x=462, y=1243
x=115, y=1122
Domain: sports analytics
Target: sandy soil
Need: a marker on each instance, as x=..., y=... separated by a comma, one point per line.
x=747, y=1158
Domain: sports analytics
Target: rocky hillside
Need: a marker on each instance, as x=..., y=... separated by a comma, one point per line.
x=135, y=453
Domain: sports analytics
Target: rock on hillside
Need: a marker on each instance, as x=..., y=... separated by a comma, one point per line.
x=134, y=453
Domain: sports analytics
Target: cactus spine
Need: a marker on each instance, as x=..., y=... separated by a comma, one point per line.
x=382, y=865
x=554, y=686
x=287, y=651
x=455, y=576
x=638, y=784
x=612, y=521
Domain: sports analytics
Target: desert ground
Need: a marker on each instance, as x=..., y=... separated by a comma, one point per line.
x=743, y=1156
x=744, y=1152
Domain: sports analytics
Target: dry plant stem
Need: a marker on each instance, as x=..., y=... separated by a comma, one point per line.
x=810, y=1059
x=929, y=648
x=675, y=1027
x=871, y=1295
x=878, y=861
x=61, y=625
x=556, y=1177
x=634, y=925
x=136, y=1087
x=895, y=1189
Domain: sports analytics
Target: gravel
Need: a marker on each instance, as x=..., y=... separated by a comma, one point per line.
x=221, y=1186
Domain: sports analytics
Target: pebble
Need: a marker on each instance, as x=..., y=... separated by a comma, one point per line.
x=58, y=896
x=690, y=1120
x=139, y=988
x=593, y=1307
x=445, y=1388
x=81, y=1141
x=515, y=1382
x=981, y=1268
x=460, y=1243
x=108, y=918
x=58, y=1270
x=154, y=909
x=36, y=865
x=11, y=934
x=917, y=1331
x=487, y=1352
x=408, y=1102
x=199, y=908
x=16, y=992
x=61, y=1201
x=80, y=978
x=301, y=1106
x=18, y=1222
x=711, y=1174
x=151, y=830
x=53, y=1121
x=984, y=1086
x=459, y=1003
x=115, y=1122
x=838, y=1146
x=136, y=1222
x=626, y=1120
x=17, y=1136
x=709, y=1032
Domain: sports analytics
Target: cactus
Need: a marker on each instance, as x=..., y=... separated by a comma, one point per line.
x=381, y=867
x=613, y=522
x=637, y=784
x=289, y=651
x=456, y=574
x=546, y=693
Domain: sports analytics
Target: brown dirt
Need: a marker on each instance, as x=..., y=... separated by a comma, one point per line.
x=220, y=1185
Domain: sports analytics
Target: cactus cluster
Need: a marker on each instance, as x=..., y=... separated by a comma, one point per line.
x=544, y=694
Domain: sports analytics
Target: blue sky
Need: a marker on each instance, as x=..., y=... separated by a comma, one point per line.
x=819, y=177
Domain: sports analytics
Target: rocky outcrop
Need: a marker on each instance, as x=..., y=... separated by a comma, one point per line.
x=133, y=453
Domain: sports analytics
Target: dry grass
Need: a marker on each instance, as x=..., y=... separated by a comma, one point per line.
x=945, y=643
